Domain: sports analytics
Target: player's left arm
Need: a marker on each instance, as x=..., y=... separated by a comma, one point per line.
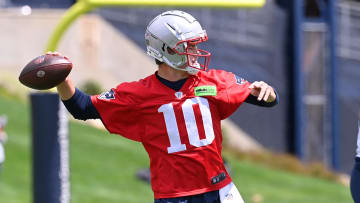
x=262, y=94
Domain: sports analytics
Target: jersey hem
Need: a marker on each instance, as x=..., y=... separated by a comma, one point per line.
x=193, y=192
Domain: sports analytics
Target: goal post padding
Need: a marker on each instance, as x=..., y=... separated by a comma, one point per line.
x=50, y=149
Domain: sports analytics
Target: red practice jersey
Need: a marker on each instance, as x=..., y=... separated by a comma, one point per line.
x=181, y=130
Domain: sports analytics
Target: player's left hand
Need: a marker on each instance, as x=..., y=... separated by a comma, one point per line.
x=262, y=91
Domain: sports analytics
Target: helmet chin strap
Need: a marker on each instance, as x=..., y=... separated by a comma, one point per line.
x=192, y=70
x=188, y=69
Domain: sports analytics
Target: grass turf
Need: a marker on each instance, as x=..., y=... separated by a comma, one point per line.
x=103, y=169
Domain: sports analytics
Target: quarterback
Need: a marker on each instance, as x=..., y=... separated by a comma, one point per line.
x=176, y=112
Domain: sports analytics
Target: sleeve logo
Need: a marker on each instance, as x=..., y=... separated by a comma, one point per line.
x=107, y=95
x=240, y=80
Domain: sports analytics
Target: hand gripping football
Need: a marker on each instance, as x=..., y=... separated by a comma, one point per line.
x=45, y=71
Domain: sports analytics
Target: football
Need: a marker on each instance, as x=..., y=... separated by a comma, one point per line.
x=45, y=71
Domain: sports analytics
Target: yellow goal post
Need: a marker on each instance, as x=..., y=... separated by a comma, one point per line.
x=84, y=6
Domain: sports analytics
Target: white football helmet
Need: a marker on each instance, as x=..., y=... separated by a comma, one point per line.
x=172, y=37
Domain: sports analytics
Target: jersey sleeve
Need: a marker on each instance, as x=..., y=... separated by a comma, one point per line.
x=117, y=111
x=234, y=91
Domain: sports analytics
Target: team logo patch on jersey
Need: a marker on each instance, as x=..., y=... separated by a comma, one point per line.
x=205, y=91
x=107, y=95
x=239, y=80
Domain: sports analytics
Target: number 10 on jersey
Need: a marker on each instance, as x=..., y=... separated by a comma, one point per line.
x=190, y=123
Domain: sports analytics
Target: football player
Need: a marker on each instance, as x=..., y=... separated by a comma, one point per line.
x=176, y=112
x=355, y=175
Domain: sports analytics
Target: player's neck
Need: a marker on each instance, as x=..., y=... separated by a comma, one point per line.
x=171, y=74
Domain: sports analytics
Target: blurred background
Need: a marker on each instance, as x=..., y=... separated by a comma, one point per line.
x=301, y=150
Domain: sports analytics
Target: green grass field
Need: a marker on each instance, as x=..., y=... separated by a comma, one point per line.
x=103, y=169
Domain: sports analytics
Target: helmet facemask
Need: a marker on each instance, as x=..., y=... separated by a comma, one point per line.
x=195, y=57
